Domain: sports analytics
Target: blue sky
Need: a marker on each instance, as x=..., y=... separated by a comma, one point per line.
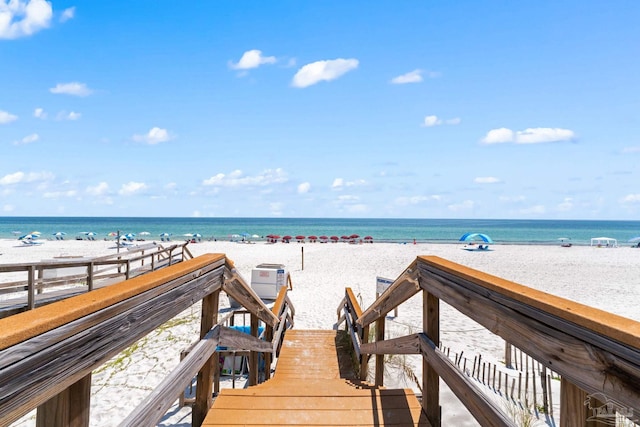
x=398, y=109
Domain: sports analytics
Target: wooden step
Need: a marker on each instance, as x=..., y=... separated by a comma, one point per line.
x=312, y=388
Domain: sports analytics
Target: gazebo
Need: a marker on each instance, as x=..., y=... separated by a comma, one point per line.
x=604, y=242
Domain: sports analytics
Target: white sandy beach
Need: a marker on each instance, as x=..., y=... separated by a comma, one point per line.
x=606, y=278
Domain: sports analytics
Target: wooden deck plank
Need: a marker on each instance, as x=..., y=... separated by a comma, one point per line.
x=309, y=388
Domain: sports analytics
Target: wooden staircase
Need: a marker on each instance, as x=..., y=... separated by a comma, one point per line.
x=314, y=385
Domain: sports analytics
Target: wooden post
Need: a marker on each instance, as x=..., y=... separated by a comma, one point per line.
x=268, y=336
x=69, y=408
x=507, y=354
x=204, y=392
x=573, y=412
x=430, y=379
x=31, y=288
x=90, y=276
x=253, y=355
x=380, y=324
x=302, y=250
x=364, y=361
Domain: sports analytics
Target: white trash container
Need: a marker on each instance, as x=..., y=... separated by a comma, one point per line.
x=268, y=279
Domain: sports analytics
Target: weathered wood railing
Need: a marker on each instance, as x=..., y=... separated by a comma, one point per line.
x=88, y=272
x=47, y=354
x=597, y=354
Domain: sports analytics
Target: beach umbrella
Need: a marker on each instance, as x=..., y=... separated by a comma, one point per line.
x=29, y=236
x=354, y=236
x=299, y=237
x=468, y=237
x=313, y=237
x=368, y=238
x=635, y=239
x=144, y=233
x=255, y=236
x=129, y=236
x=165, y=234
x=37, y=233
x=16, y=232
x=334, y=238
x=59, y=233
x=112, y=234
x=188, y=234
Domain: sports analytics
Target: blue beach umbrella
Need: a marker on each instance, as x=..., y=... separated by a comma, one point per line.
x=29, y=236
x=468, y=237
x=635, y=239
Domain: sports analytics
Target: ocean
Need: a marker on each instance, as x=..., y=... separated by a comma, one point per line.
x=501, y=231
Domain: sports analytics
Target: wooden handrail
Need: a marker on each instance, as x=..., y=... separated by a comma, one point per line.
x=595, y=352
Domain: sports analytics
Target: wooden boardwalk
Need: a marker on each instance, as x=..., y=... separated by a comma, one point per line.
x=314, y=385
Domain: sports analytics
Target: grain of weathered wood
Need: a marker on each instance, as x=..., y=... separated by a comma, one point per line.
x=240, y=291
x=615, y=327
x=403, y=288
x=26, y=325
x=430, y=377
x=473, y=399
x=39, y=376
x=154, y=406
x=592, y=368
x=204, y=385
x=307, y=389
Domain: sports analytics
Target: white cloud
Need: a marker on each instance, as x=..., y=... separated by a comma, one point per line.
x=304, y=188
x=252, y=59
x=72, y=115
x=59, y=194
x=238, y=179
x=631, y=150
x=486, y=180
x=528, y=136
x=6, y=117
x=430, y=121
x=414, y=76
x=416, y=200
x=72, y=88
x=27, y=139
x=155, y=136
x=318, y=71
x=68, y=14
x=39, y=113
x=131, y=188
x=8, y=208
x=21, y=177
x=339, y=183
x=20, y=18
x=98, y=190
x=566, y=204
x=631, y=198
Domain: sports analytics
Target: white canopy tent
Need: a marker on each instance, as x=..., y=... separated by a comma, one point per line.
x=604, y=242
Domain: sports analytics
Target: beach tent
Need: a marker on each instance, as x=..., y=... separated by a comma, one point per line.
x=606, y=242
x=469, y=237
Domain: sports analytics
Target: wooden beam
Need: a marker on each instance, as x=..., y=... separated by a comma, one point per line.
x=380, y=323
x=69, y=408
x=23, y=326
x=154, y=406
x=408, y=344
x=430, y=377
x=236, y=287
x=110, y=331
x=204, y=381
x=474, y=399
x=546, y=338
x=401, y=290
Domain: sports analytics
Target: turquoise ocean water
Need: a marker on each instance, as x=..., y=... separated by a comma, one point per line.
x=393, y=230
